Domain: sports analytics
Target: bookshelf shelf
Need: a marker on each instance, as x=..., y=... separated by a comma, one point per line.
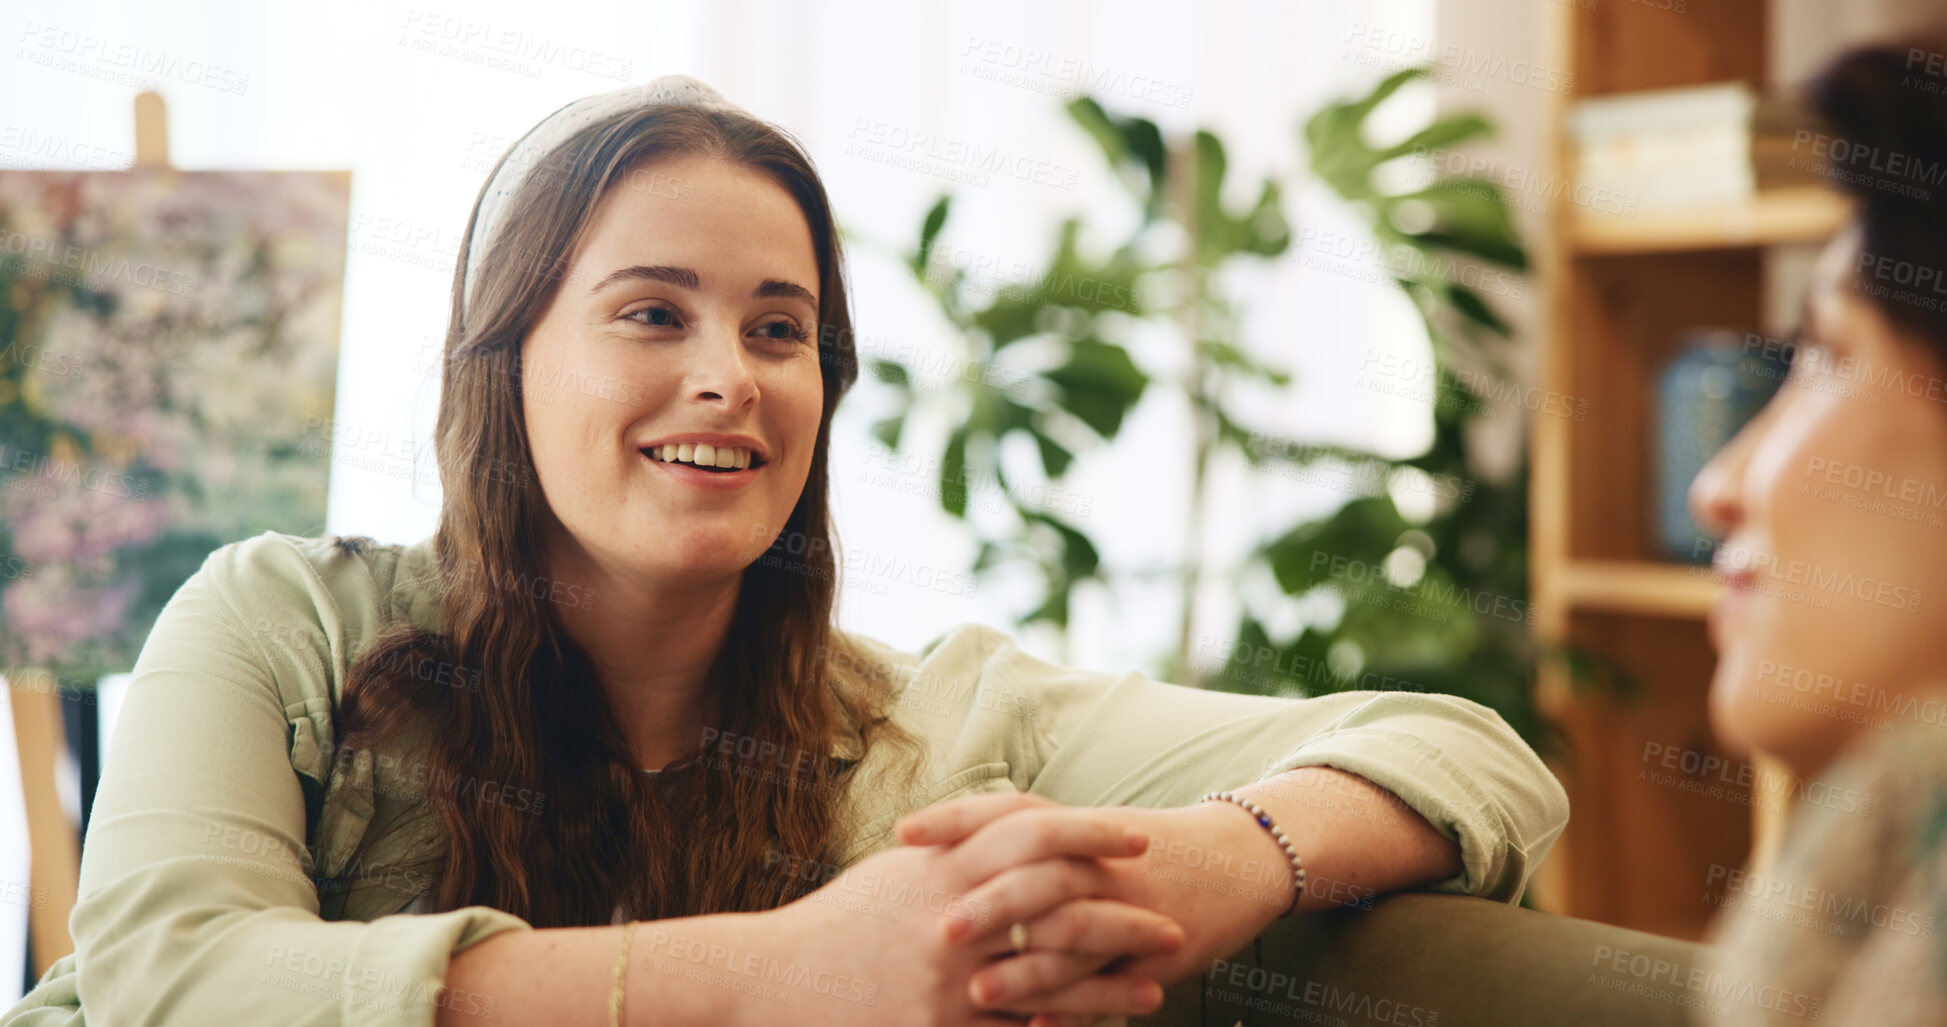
x=1650, y=589
x=1791, y=215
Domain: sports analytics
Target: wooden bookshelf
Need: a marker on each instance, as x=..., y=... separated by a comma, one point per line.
x=1651, y=589
x=1620, y=292
x=1799, y=214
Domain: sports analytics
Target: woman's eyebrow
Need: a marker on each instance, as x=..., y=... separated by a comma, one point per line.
x=771, y=287
x=653, y=272
x=689, y=279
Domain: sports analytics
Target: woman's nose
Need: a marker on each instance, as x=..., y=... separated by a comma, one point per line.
x=723, y=369
x=1716, y=496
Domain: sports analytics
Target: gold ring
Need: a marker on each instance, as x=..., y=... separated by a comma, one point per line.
x=1018, y=935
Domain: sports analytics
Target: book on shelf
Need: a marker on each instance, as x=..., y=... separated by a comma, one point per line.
x=1694, y=145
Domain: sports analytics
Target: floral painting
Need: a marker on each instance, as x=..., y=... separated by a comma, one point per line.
x=165, y=338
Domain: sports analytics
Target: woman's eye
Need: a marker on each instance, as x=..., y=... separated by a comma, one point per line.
x=666, y=314
x=784, y=330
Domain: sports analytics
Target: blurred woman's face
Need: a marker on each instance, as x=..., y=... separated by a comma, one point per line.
x=1832, y=507
x=685, y=330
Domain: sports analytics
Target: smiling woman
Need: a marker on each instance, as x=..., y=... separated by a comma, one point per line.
x=609, y=689
x=1829, y=632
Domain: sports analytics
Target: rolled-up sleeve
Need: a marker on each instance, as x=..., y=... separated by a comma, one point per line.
x=195, y=905
x=1109, y=739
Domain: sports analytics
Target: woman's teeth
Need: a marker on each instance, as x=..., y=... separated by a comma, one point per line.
x=726, y=458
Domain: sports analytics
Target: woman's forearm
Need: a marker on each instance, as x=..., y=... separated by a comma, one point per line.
x=1355, y=838
x=1223, y=877
x=562, y=976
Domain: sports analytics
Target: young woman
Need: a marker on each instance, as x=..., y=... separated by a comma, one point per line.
x=1834, y=549
x=609, y=690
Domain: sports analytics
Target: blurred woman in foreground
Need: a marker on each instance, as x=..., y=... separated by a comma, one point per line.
x=1834, y=552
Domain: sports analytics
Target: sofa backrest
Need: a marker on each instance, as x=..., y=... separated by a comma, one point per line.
x=1426, y=960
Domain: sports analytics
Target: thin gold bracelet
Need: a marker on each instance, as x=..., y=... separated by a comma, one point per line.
x=619, y=992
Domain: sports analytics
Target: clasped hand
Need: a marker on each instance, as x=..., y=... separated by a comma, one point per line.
x=1097, y=942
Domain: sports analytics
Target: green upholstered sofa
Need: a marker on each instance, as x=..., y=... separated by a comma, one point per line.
x=1425, y=960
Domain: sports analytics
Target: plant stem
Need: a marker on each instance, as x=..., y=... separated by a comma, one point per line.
x=1190, y=316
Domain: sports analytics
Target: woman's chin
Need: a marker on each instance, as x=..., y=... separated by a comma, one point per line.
x=1729, y=712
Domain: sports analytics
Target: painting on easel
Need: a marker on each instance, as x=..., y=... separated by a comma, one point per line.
x=165, y=339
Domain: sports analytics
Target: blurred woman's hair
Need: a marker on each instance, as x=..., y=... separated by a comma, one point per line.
x=1885, y=107
x=707, y=835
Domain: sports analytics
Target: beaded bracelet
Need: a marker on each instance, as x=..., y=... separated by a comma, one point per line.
x=1264, y=820
x=619, y=991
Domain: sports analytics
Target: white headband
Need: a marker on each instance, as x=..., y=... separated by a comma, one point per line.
x=543, y=139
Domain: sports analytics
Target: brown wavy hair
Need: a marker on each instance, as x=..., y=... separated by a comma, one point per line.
x=709, y=833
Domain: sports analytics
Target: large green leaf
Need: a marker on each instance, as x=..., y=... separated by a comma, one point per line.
x=1469, y=215
x=1099, y=384
x=1363, y=530
x=1444, y=133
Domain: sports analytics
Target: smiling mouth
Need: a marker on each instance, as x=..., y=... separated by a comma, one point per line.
x=655, y=454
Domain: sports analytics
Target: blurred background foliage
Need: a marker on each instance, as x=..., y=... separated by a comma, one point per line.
x=1433, y=603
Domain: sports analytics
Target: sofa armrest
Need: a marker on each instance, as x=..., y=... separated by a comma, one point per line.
x=1425, y=960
